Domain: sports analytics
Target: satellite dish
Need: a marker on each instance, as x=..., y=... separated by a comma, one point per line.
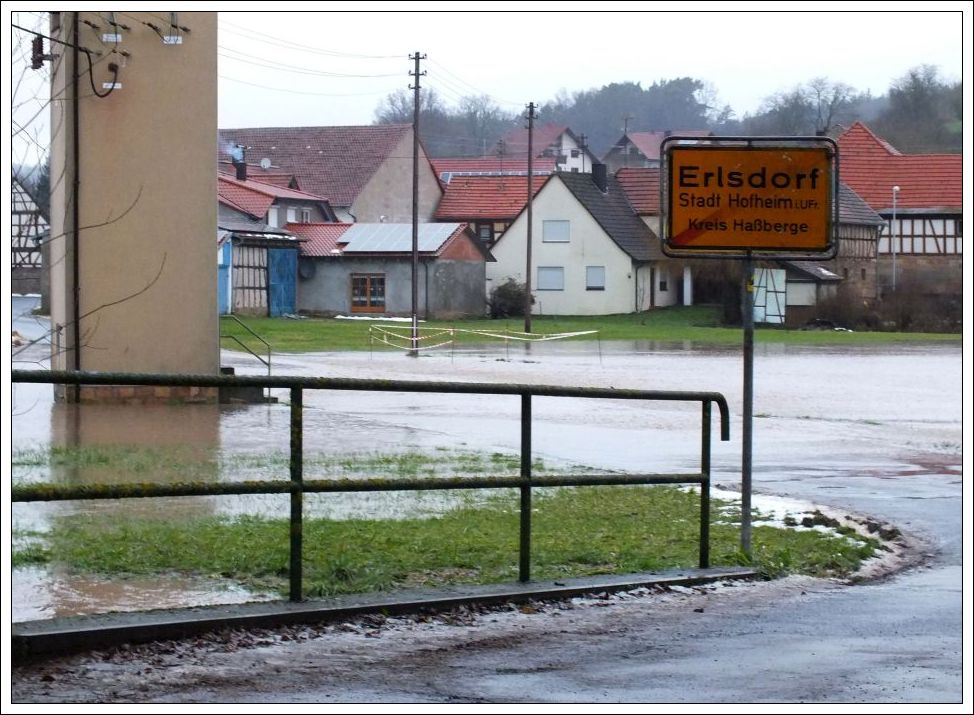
x=265, y=163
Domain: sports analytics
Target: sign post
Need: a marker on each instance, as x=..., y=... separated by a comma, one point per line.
x=744, y=198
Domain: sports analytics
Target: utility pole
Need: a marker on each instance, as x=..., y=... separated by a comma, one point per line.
x=414, y=342
x=583, y=146
x=527, y=275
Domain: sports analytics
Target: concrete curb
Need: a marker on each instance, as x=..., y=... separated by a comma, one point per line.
x=59, y=636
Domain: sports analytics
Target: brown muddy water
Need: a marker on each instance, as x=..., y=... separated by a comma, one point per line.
x=828, y=409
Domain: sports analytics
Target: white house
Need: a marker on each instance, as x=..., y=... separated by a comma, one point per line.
x=591, y=253
x=551, y=141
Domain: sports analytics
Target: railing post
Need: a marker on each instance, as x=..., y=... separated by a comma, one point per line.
x=524, y=570
x=705, y=487
x=297, y=493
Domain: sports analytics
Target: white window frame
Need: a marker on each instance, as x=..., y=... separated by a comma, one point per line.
x=551, y=278
x=292, y=214
x=305, y=215
x=273, y=217
x=556, y=231
x=594, y=277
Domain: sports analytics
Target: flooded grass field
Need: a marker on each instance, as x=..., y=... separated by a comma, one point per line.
x=820, y=412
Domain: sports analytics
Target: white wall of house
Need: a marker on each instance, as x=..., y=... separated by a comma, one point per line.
x=565, y=274
x=669, y=275
x=575, y=158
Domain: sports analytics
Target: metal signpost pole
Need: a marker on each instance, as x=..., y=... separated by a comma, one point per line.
x=741, y=197
x=747, y=319
x=894, y=235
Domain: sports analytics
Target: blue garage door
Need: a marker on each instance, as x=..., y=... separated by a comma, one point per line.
x=282, y=269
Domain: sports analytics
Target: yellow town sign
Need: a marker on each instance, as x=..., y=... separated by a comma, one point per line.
x=749, y=198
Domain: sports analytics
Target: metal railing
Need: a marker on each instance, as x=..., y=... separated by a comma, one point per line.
x=238, y=341
x=297, y=486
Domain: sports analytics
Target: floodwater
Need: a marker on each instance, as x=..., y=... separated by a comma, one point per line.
x=818, y=411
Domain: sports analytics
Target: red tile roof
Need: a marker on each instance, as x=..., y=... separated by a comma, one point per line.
x=468, y=198
x=516, y=140
x=489, y=165
x=336, y=162
x=871, y=167
x=648, y=143
x=642, y=189
x=255, y=173
x=322, y=239
x=255, y=197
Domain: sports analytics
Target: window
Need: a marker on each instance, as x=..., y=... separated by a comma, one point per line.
x=664, y=282
x=594, y=277
x=486, y=232
x=575, y=153
x=273, y=218
x=292, y=214
x=555, y=231
x=862, y=273
x=368, y=292
x=305, y=215
x=551, y=278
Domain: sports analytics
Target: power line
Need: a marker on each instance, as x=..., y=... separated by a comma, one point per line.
x=476, y=89
x=290, y=44
x=312, y=94
x=270, y=64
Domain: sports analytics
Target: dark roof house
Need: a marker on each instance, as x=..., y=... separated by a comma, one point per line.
x=365, y=172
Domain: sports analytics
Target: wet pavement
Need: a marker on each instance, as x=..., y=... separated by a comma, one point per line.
x=872, y=430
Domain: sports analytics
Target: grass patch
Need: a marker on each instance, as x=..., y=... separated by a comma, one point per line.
x=117, y=463
x=131, y=463
x=697, y=324
x=577, y=532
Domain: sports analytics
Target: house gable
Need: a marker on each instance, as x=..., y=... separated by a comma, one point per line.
x=463, y=246
x=612, y=210
x=388, y=196
x=334, y=162
x=588, y=248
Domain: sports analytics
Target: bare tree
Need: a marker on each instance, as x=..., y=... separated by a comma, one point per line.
x=830, y=100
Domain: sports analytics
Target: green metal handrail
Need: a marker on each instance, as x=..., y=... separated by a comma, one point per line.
x=296, y=486
x=246, y=347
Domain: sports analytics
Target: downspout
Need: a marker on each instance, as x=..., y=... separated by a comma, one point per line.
x=76, y=209
x=426, y=298
x=635, y=286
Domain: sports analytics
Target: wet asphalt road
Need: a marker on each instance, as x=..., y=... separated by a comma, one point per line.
x=875, y=431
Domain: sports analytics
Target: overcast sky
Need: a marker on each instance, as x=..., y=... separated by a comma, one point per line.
x=292, y=68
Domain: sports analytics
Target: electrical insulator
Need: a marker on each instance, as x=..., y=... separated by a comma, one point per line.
x=37, y=52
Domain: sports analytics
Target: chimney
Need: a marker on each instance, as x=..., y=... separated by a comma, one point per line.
x=238, y=154
x=600, y=178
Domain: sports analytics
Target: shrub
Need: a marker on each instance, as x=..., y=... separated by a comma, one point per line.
x=507, y=299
